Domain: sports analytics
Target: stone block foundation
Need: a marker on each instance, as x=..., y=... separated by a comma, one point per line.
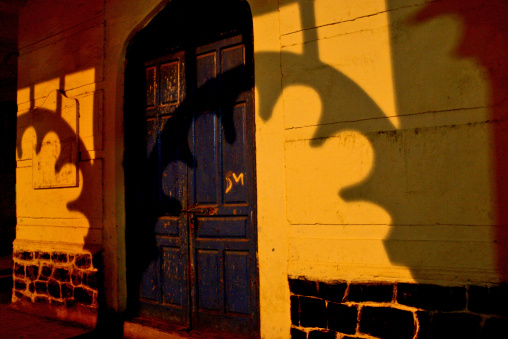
x=347, y=310
x=58, y=278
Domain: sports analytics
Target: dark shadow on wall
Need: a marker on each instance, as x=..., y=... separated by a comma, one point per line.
x=46, y=122
x=8, y=110
x=432, y=172
x=79, y=51
x=485, y=40
x=343, y=102
x=350, y=103
x=452, y=167
x=67, y=57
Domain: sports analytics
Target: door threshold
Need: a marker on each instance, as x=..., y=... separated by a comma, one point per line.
x=141, y=327
x=147, y=328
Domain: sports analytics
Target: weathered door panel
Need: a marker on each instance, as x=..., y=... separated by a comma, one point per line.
x=223, y=254
x=201, y=182
x=165, y=282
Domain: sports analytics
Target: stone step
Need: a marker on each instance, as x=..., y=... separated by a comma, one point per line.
x=147, y=328
x=135, y=330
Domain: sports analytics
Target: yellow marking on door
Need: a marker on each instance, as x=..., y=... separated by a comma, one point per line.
x=230, y=185
x=237, y=178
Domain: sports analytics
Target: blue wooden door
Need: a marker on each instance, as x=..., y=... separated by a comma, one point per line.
x=165, y=280
x=200, y=147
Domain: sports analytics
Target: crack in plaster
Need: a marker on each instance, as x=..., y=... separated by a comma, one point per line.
x=361, y=17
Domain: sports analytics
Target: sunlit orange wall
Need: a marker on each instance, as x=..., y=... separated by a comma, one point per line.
x=393, y=149
x=60, y=141
x=389, y=159
x=374, y=133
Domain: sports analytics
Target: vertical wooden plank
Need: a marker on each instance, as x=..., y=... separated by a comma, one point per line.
x=206, y=168
x=226, y=232
x=172, y=274
x=171, y=176
x=150, y=281
x=209, y=284
x=237, y=280
x=152, y=181
x=206, y=72
x=151, y=135
x=235, y=177
x=232, y=62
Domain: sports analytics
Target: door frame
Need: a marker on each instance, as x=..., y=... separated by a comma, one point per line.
x=129, y=173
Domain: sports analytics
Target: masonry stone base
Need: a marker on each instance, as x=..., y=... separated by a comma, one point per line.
x=347, y=310
x=59, y=278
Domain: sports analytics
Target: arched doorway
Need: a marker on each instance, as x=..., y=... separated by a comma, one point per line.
x=190, y=168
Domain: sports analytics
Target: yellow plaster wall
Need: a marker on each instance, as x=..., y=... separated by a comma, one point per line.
x=388, y=146
x=59, y=120
x=270, y=162
x=67, y=46
x=124, y=20
x=373, y=155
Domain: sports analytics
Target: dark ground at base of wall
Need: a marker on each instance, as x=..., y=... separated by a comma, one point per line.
x=17, y=325
x=350, y=310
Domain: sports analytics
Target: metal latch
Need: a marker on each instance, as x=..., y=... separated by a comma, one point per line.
x=201, y=210
x=197, y=210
